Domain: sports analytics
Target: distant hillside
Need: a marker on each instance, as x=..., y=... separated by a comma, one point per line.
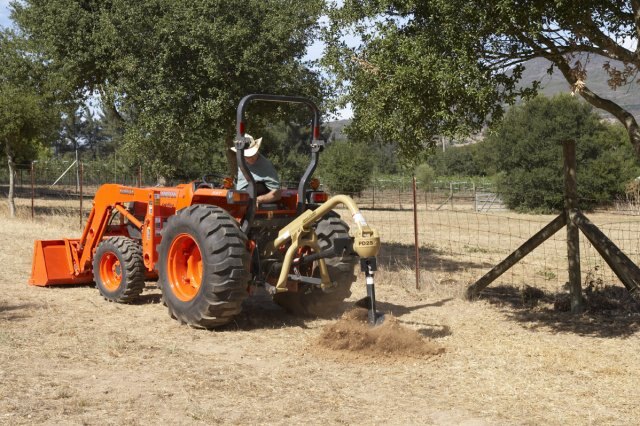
x=337, y=129
x=628, y=96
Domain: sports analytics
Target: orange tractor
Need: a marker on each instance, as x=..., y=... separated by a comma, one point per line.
x=207, y=244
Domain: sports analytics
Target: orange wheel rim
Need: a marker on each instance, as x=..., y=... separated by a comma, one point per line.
x=184, y=267
x=110, y=271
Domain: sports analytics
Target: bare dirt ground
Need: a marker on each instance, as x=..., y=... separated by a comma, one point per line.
x=69, y=357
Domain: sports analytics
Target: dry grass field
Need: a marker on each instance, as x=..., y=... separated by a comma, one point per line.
x=69, y=357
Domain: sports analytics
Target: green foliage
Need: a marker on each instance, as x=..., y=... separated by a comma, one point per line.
x=417, y=72
x=386, y=158
x=528, y=153
x=345, y=167
x=22, y=121
x=440, y=67
x=82, y=131
x=287, y=145
x=464, y=160
x=28, y=108
x=173, y=71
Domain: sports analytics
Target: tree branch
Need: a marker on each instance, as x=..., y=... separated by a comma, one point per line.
x=635, y=6
x=623, y=116
x=591, y=31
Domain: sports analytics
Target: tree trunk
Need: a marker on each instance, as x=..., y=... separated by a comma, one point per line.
x=624, y=116
x=12, y=183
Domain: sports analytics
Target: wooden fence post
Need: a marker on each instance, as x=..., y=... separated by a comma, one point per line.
x=573, y=233
x=415, y=233
x=33, y=191
x=81, y=179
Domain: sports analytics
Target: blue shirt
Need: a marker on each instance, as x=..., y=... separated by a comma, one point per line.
x=262, y=171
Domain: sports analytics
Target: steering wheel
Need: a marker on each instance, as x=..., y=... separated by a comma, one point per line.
x=211, y=180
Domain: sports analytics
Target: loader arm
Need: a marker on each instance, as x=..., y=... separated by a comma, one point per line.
x=69, y=261
x=107, y=199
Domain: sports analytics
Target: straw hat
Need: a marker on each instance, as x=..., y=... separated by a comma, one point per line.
x=254, y=146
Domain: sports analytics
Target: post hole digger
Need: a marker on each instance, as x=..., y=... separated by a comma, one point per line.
x=207, y=243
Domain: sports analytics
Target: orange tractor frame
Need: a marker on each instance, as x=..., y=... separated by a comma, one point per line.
x=206, y=243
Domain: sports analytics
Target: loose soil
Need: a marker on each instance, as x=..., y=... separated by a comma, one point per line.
x=352, y=337
x=69, y=357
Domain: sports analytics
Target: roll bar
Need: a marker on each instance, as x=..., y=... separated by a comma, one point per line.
x=241, y=143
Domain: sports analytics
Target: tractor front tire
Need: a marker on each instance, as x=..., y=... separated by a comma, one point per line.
x=118, y=269
x=311, y=300
x=203, y=266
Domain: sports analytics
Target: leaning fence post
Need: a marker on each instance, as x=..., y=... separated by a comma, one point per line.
x=573, y=234
x=415, y=233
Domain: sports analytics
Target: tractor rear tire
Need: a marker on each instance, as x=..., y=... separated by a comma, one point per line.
x=311, y=300
x=118, y=269
x=203, y=266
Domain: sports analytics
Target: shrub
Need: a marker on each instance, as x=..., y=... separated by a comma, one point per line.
x=527, y=149
x=346, y=167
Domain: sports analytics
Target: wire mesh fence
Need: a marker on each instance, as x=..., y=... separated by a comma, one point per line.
x=464, y=230
x=460, y=229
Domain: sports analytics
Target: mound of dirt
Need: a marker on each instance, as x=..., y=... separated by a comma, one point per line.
x=353, y=335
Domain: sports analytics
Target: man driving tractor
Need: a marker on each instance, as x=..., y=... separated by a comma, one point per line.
x=263, y=171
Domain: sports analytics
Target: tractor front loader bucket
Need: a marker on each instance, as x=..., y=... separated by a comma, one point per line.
x=53, y=264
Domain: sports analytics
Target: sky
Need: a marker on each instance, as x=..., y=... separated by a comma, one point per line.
x=4, y=13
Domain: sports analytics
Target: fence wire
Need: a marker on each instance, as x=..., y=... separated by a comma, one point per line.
x=463, y=229
x=461, y=236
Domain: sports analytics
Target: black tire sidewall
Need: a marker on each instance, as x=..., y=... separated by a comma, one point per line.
x=104, y=248
x=224, y=266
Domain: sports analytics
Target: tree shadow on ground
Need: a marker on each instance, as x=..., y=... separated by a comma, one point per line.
x=610, y=310
x=15, y=312
x=396, y=257
x=400, y=310
x=435, y=331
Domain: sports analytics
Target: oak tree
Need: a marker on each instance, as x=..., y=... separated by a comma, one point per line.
x=174, y=70
x=29, y=106
x=445, y=66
